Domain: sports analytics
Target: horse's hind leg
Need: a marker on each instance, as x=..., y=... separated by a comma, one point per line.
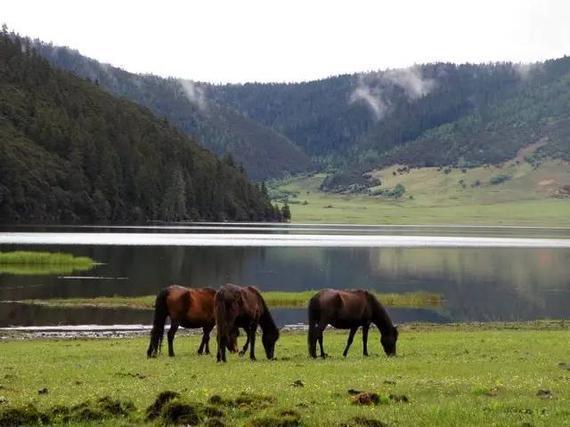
x=221, y=355
x=171, y=332
x=251, y=339
x=350, y=339
x=321, y=328
x=365, y=329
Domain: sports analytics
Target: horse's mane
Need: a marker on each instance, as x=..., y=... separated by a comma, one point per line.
x=266, y=320
x=381, y=317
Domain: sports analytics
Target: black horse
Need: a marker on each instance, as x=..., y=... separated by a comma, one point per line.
x=349, y=309
x=243, y=307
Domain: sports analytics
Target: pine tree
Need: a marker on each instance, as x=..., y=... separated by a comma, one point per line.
x=286, y=213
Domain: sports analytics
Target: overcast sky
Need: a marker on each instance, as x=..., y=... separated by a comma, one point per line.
x=294, y=40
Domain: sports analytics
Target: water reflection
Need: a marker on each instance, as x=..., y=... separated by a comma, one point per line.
x=18, y=314
x=478, y=284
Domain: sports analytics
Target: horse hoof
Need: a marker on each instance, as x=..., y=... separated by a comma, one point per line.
x=241, y=353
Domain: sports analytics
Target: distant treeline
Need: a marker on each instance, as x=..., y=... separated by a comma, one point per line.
x=70, y=152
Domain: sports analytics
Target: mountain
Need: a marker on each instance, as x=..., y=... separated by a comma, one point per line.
x=438, y=114
x=430, y=115
x=263, y=152
x=71, y=152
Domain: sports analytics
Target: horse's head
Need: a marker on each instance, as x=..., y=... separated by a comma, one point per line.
x=232, y=343
x=388, y=341
x=269, y=338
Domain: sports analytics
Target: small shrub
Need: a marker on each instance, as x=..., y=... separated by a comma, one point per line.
x=178, y=412
x=153, y=411
x=499, y=179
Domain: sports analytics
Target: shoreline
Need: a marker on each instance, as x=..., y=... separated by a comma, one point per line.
x=77, y=332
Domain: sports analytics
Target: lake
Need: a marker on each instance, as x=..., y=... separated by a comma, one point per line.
x=484, y=273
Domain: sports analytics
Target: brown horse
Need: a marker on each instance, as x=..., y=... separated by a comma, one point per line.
x=349, y=309
x=189, y=308
x=244, y=307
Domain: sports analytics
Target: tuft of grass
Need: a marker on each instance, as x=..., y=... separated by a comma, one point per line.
x=42, y=263
x=274, y=299
x=285, y=299
x=100, y=409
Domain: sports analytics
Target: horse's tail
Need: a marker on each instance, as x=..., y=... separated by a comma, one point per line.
x=160, y=315
x=314, y=318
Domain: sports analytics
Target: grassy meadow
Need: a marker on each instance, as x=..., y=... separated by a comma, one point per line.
x=512, y=374
x=42, y=263
x=529, y=196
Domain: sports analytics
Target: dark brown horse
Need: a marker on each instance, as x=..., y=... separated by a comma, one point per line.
x=244, y=307
x=189, y=308
x=349, y=309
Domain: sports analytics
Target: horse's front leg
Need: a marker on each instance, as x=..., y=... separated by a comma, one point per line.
x=171, y=332
x=365, y=329
x=244, y=349
x=205, y=344
x=251, y=338
x=350, y=339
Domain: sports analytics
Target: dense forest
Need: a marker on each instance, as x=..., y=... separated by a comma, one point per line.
x=262, y=151
x=71, y=152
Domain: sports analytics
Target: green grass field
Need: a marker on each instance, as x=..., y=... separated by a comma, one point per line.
x=280, y=299
x=527, y=198
x=450, y=375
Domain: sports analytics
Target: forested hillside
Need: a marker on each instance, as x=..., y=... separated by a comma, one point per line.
x=430, y=115
x=71, y=152
x=438, y=114
x=263, y=152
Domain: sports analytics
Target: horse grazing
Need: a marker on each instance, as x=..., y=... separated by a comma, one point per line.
x=243, y=307
x=349, y=309
x=189, y=308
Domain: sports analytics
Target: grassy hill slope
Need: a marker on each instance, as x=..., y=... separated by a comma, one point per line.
x=530, y=195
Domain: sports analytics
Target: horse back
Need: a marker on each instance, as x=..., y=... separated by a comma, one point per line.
x=192, y=307
x=346, y=308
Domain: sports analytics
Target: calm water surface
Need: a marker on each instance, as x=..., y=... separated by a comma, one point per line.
x=484, y=273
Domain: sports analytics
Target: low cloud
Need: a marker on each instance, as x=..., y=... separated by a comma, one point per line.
x=525, y=71
x=195, y=94
x=371, y=96
x=411, y=80
x=371, y=88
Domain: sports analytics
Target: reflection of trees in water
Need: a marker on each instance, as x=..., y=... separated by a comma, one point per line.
x=487, y=283
x=153, y=268
x=478, y=283
x=32, y=315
